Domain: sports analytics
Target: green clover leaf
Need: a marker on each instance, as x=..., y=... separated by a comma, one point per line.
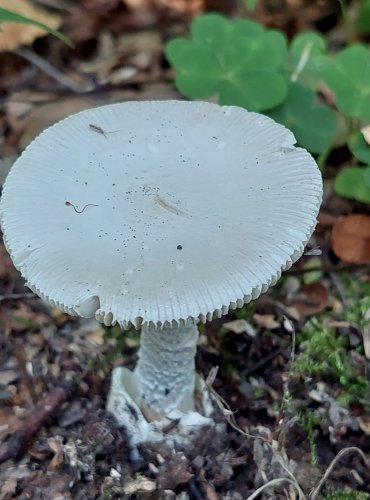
x=238, y=60
x=359, y=147
x=354, y=182
x=363, y=19
x=303, y=52
x=314, y=124
x=348, y=76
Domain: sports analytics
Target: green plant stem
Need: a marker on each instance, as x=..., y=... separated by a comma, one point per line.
x=322, y=158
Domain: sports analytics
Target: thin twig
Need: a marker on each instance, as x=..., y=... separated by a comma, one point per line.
x=52, y=71
x=45, y=409
x=18, y=296
x=276, y=482
x=229, y=417
x=351, y=449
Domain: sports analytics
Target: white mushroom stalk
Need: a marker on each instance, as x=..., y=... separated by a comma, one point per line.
x=166, y=368
x=159, y=215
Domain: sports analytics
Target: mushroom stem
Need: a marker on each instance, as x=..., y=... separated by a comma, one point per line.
x=166, y=368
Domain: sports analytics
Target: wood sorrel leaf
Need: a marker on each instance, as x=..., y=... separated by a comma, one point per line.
x=302, y=57
x=348, y=76
x=314, y=124
x=238, y=60
x=351, y=183
x=359, y=147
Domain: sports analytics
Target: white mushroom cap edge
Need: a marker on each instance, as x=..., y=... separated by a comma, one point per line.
x=159, y=212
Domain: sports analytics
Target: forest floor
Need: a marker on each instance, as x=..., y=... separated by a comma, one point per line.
x=293, y=367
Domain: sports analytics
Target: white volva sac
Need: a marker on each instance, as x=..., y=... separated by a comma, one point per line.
x=159, y=215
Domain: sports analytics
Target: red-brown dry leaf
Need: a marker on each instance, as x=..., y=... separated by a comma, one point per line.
x=351, y=238
x=178, y=7
x=311, y=299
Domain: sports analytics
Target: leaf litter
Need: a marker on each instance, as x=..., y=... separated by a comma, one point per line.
x=289, y=434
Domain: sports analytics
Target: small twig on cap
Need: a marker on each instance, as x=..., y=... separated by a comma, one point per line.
x=69, y=204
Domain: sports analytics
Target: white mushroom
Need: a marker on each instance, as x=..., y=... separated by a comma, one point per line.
x=158, y=215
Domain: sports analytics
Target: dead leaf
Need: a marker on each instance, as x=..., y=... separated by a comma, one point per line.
x=266, y=321
x=240, y=326
x=177, y=7
x=351, y=238
x=55, y=444
x=311, y=299
x=140, y=485
x=9, y=422
x=14, y=34
x=364, y=423
x=9, y=487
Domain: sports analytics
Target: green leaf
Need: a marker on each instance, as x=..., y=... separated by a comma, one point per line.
x=359, y=147
x=313, y=124
x=367, y=176
x=254, y=90
x=350, y=182
x=348, y=76
x=303, y=52
x=363, y=19
x=250, y=4
x=211, y=30
x=12, y=17
x=238, y=60
x=200, y=70
x=246, y=27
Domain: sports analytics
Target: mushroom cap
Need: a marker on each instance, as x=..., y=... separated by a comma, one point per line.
x=159, y=212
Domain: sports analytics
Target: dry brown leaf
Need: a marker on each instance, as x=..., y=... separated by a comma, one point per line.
x=14, y=34
x=9, y=488
x=240, y=326
x=364, y=423
x=311, y=299
x=178, y=7
x=351, y=238
x=266, y=321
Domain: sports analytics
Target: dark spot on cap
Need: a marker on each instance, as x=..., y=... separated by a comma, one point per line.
x=179, y=247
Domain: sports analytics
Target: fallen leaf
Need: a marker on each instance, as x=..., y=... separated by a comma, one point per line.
x=8, y=489
x=140, y=485
x=364, y=423
x=240, y=326
x=311, y=299
x=9, y=422
x=14, y=34
x=266, y=321
x=178, y=7
x=351, y=238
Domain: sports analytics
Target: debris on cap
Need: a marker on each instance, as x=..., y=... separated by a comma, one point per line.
x=159, y=212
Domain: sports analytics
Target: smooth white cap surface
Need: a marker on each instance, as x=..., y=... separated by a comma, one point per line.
x=175, y=210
